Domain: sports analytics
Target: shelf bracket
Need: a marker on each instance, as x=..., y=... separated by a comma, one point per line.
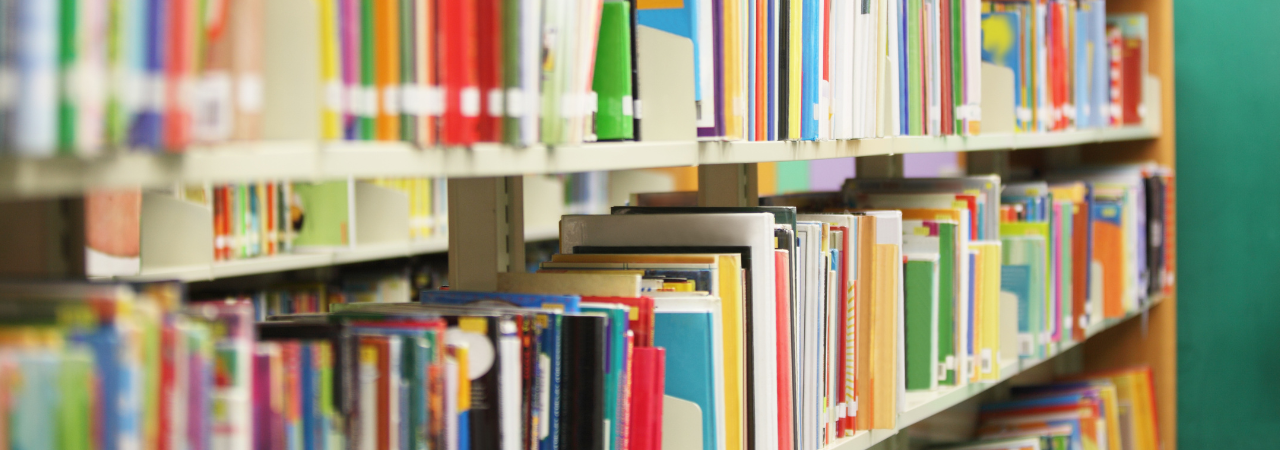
x=486, y=231
x=728, y=185
x=880, y=166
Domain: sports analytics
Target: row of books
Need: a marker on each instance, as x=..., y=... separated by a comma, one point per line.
x=1074, y=65
x=1113, y=409
x=153, y=74
x=1085, y=247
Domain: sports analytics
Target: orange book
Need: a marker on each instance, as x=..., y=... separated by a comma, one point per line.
x=426, y=68
x=387, y=69
x=1108, y=250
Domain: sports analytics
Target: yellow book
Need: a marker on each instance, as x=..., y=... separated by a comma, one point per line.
x=331, y=117
x=734, y=102
x=987, y=318
x=884, y=338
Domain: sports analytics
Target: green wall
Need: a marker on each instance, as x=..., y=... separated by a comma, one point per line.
x=1227, y=60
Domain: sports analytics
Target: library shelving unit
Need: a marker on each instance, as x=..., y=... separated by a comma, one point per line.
x=486, y=208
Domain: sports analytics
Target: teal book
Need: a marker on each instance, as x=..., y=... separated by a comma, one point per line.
x=615, y=358
x=612, y=81
x=920, y=274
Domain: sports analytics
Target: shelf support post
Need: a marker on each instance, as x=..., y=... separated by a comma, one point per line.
x=728, y=185
x=486, y=231
x=880, y=166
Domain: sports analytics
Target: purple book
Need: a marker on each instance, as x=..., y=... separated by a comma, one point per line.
x=717, y=33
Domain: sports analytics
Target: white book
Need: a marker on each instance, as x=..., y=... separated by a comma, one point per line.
x=752, y=230
x=510, y=385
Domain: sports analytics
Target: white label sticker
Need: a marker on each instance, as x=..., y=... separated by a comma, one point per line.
x=627, y=108
x=495, y=102
x=591, y=102
x=1024, y=114
x=515, y=102
x=942, y=371
x=470, y=101
x=961, y=112
x=411, y=99
x=152, y=93
x=1025, y=344
x=332, y=96
x=840, y=412
x=434, y=100
x=1070, y=111
x=391, y=100
x=369, y=101
x=975, y=112
x=638, y=114
x=354, y=100
x=987, y=363
x=951, y=362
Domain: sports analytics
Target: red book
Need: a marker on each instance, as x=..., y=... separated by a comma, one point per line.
x=648, y=386
x=782, y=261
x=168, y=341
x=1131, y=82
x=459, y=72
x=489, y=38
x=179, y=74
x=838, y=397
x=641, y=315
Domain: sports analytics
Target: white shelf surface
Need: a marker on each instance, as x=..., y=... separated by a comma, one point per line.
x=305, y=160
x=315, y=259
x=922, y=405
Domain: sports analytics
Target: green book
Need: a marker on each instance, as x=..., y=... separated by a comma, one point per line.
x=948, y=279
x=612, y=81
x=368, y=108
x=67, y=43
x=921, y=289
x=75, y=424
x=512, y=71
x=408, y=67
x=1024, y=244
x=326, y=218
x=957, y=64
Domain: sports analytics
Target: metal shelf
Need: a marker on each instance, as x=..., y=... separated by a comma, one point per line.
x=315, y=259
x=302, y=160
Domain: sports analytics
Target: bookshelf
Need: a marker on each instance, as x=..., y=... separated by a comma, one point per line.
x=28, y=177
x=487, y=204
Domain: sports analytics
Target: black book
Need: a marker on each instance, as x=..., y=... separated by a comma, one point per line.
x=582, y=386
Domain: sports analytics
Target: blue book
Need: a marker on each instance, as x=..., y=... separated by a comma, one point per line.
x=1101, y=97
x=1016, y=280
x=904, y=85
x=104, y=343
x=147, y=129
x=688, y=334
x=35, y=123
x=1001, y=44
x=811, y=70
x=307, y=380
x=681, y=22
x=566, y=303
x=549, y=366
